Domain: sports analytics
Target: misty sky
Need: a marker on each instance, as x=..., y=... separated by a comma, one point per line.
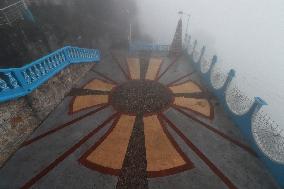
x=247, y=35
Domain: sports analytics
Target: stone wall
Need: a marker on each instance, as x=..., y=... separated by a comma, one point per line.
x=18, y=118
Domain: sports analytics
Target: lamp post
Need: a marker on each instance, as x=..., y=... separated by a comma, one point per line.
x=130, y=28
x=186, y=37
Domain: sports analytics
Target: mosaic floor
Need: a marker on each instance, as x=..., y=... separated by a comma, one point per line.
x=136, y=122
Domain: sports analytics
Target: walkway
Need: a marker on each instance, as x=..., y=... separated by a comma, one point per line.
x=137, y=122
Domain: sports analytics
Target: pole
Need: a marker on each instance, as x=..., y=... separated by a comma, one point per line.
x=130, y=33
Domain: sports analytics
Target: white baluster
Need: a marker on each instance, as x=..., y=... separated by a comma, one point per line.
x=42, y=70
x=32, y=74
x=27, y=77
x=50, y=64
x=12, y=80
x=53, y=59
x=3, y=85
x=37, y=72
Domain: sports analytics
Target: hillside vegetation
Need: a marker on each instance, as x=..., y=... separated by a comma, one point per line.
x=85, y=23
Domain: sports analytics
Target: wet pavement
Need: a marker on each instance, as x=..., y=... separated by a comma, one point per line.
x=139, y=121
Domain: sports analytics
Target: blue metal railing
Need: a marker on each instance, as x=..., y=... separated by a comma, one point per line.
x=18, y=82
x=140, y=46
x=272, y=156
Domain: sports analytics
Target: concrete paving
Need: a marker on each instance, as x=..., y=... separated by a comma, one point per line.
x=187, y=143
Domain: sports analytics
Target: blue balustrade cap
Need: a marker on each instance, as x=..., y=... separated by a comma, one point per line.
x=214, y=59
x=232, y=73
x=260, y=101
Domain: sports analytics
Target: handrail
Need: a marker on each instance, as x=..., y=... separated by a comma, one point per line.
x=18, y=82
x=139, y=46
x=263, y=134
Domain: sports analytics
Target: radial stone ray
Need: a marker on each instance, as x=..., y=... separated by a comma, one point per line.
x=144, y=62
x=134, y=170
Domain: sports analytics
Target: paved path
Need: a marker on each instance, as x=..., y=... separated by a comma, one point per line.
x=136, y=122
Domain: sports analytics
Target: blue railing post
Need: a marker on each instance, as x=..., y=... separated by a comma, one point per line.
x=257, y=105
x=220, y=93
x=244, y=121
x=201, y=56
x=193, y=48
x=207, y=75
x=198, y=64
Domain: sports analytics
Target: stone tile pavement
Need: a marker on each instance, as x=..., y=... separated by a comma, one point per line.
x=141, y=121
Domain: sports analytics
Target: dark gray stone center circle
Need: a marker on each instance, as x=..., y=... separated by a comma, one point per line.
x=141, y=96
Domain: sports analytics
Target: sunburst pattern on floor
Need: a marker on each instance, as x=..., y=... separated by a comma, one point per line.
x=138, y=144
x=140, y=96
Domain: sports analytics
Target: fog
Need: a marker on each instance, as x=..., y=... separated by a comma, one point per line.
x=245, y=35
